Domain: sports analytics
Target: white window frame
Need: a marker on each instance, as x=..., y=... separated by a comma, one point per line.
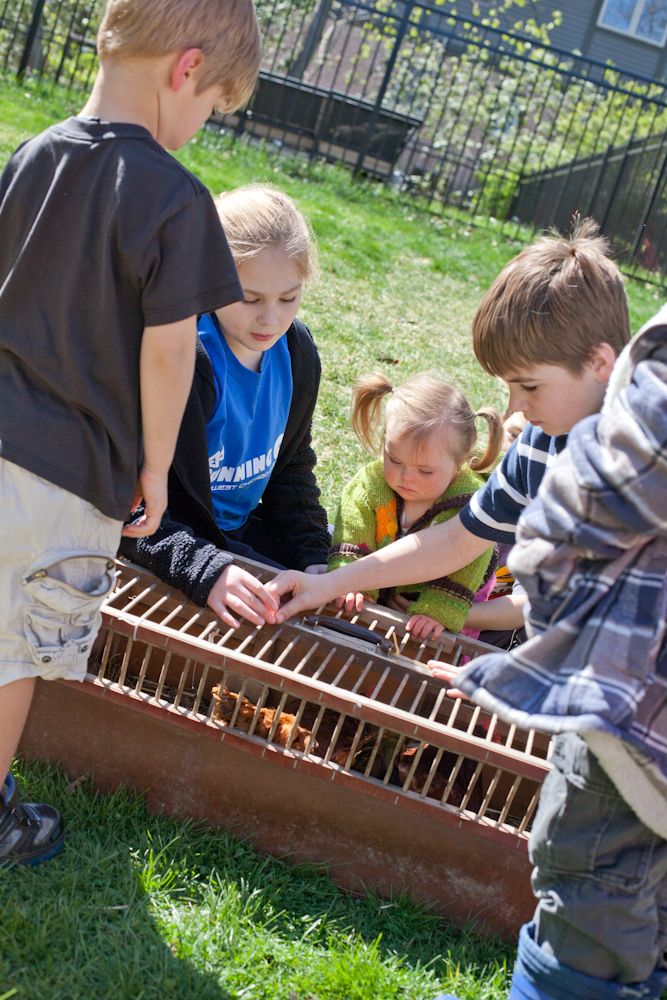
x=631, y=31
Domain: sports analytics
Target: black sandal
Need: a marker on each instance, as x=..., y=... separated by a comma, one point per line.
x=29, y=832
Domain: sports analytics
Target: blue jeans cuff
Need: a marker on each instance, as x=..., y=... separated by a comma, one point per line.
x=553, y=981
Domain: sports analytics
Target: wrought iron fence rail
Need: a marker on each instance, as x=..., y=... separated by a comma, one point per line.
x=454, y=111
x=518, y=36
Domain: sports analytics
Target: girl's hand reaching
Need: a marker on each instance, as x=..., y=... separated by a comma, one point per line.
x=423, y=627
x=238, y=591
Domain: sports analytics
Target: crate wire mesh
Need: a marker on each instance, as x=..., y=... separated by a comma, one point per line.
x=359, y=707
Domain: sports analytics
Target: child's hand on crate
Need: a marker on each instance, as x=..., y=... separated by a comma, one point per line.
x=237, y=592
x=424, y=627
x=304, y=590
x=446, y=673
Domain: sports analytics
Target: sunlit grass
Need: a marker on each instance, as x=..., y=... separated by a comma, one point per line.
x=140, y=906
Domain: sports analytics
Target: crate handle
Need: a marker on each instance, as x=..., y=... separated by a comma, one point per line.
x=349, y=629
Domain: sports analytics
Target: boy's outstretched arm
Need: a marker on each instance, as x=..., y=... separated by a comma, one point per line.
x=166, y=369
x=500, y=613
x=426, y=555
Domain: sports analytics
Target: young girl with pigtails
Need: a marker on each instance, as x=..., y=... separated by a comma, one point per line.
x=427, y=473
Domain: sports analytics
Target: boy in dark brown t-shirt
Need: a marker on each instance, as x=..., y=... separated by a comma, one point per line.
x=110, y=248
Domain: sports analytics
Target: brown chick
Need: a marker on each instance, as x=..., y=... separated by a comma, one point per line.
x=225, y=703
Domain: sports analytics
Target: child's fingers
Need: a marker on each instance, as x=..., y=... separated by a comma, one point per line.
x=290, y=608
x=455, y=693
x=308, y=591
x=443, y=671
x=283, y=583
x=242, y=595
x=354, y=602
x=422, y=627
x=301, y=601
x=414, y=626
x=143, y=526
x=225, y=616
x=217, y=602
x=132, y=530
x=152, y=520
x=248, y=602
x=258, y=589
x=446, y=673
x=247, y=608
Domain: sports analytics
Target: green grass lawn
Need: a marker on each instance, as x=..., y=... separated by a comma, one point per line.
x=141, y=907
x=144, y=907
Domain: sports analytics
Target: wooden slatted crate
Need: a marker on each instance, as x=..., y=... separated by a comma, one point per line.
x=322, y=739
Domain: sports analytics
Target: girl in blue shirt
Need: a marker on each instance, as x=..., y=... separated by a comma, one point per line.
x=243, y=480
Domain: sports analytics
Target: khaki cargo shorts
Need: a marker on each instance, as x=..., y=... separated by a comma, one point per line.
x=56, y=568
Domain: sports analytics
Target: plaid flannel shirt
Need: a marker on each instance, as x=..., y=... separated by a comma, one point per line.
x=592, y=554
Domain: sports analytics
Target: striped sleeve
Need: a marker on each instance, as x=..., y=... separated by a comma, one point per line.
x=495, y=508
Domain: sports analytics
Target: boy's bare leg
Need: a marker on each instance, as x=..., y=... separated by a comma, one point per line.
x=15, y=699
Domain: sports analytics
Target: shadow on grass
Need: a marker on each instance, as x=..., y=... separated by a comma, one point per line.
x=141, y=906
x=81, y=927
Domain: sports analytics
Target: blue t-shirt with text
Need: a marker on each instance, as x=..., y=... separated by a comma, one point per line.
x=246, y=428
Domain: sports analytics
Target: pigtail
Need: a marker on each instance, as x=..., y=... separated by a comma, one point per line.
x=494, y=442
x=366, y=410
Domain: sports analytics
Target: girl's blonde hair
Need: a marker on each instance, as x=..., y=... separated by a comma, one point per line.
x=420, y=408
x=258, y=216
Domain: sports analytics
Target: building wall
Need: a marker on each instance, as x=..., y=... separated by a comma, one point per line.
x=629, y=53
x=579, y=32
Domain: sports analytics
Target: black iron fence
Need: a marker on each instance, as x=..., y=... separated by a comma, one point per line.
x=624, y=187
x=54, y=39
x=449, y=109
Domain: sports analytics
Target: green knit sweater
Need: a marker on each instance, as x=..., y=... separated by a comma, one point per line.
x=368, y=518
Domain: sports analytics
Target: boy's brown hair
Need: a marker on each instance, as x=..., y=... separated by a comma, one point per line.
x=226, y=31
x=554, y=303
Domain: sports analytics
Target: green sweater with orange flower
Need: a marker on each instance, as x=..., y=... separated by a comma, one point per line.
x=368, y=518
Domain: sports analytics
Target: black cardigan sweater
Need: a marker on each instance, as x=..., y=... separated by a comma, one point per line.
x=188, y=549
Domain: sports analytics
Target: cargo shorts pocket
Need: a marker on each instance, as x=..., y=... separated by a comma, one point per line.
x=62, y=610
x=584, y=830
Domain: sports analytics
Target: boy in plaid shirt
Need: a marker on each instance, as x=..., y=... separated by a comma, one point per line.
x=592, y=554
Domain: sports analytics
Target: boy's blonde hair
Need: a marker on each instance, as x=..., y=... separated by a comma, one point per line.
x=553, y=304
x=226, y=31
x=423, y=406
x=258, y=216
